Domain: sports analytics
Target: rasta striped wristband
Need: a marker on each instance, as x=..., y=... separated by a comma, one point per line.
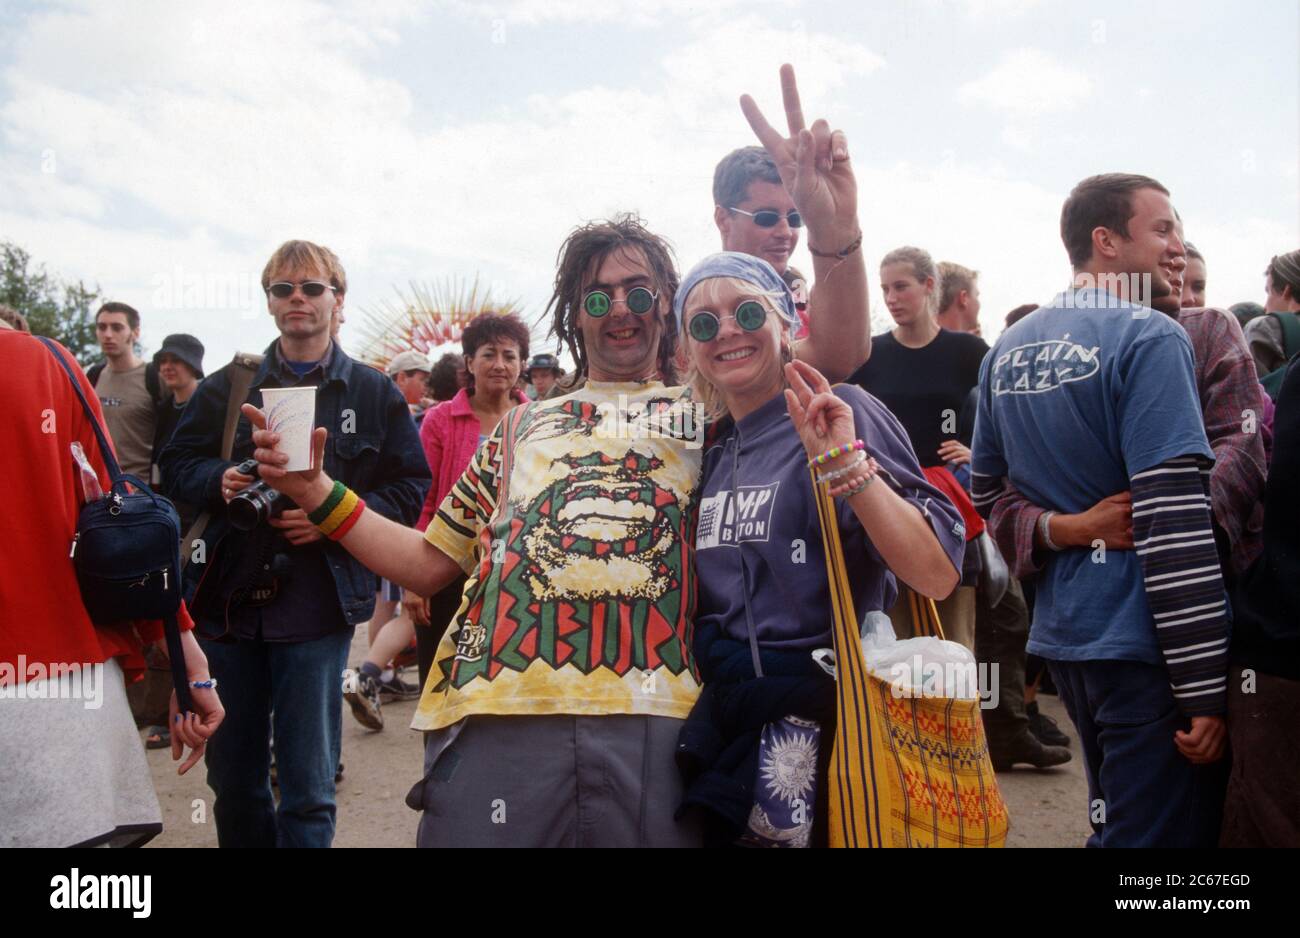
x=331, y=502
x=352, y=518
x=338, y=513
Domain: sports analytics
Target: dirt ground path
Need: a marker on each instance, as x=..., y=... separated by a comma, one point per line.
x=1047, y=808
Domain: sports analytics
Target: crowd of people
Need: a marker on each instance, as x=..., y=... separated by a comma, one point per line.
x=596, y=573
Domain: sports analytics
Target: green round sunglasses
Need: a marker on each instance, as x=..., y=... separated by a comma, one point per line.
x=704, y=325
x=639, y=300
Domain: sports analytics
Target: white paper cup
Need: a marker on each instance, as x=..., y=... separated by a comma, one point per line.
x=291, y=412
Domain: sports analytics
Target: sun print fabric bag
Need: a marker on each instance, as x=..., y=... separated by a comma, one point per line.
x=786, y=787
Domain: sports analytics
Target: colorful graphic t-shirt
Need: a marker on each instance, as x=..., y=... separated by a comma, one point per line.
x=574, y=525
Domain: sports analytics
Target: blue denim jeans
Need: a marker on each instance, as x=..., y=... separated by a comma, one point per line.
x=297, y=688
x=1142, y=792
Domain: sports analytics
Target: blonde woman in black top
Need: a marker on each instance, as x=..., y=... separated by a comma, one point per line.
x=924, y=373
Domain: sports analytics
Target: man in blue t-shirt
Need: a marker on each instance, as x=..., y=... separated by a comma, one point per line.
x=1091, y=395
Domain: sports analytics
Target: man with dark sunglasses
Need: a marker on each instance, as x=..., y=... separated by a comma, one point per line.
x=754, y=209
x=276, y=606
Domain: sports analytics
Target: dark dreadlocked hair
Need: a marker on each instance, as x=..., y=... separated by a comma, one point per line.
x=585, y=249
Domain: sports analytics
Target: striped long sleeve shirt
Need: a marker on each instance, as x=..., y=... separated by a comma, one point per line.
x=1174, y=540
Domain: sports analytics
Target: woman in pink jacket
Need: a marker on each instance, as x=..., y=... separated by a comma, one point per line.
x=495, y=347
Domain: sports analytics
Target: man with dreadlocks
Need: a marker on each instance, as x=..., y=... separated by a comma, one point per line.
x=557, y=697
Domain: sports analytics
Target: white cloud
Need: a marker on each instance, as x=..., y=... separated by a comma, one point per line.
x=997, y=9
x=1236, y=253
x=636, y=13
x=1017, y=136
x=226, y=144
x=1028, y=83
x=1003, y=227
x=200, y=142
x=744, y=54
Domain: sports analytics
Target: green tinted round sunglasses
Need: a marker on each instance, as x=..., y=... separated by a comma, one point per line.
x=639, y=300
x=704, y=325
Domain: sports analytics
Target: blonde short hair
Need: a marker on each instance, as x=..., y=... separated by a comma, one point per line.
x=953, y=278
x=304, y=255
x=704, y=391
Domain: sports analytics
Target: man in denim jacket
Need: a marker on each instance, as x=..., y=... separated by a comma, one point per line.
x=277, y=605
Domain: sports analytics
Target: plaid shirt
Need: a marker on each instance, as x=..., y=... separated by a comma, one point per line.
x=1232, y=406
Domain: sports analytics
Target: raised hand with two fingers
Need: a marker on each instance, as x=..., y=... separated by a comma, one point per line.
x=821, y=419
x=813, y=163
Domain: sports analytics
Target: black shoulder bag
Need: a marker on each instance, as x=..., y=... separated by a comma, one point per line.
x=127, y=552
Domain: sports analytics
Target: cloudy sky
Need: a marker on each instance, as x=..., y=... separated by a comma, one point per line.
x=163, y=150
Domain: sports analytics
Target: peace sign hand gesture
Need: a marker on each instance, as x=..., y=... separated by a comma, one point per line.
x=814, y=167
x=821, y=419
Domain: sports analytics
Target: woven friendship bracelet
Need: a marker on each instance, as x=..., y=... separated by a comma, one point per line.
x=839, y=255
x=835, y=452
x=340, y=513
x=324, y=508
x=349, y=521
x=853, y=463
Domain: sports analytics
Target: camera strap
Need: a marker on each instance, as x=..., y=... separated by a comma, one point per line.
x=242, y=368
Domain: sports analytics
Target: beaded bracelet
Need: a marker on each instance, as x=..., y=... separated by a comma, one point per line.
x=852, y=464
x=868, y=467
x=851, y=488
x=835, y=452
x=331, y=502
x=857, y=488
x=209, y=684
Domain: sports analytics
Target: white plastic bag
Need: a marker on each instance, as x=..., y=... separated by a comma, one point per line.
x=915, y=667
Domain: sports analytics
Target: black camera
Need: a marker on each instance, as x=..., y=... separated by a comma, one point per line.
x=256, y=504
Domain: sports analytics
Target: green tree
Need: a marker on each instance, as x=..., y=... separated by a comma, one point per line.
x=53, y=308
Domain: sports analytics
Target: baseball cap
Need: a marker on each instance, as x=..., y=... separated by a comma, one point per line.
x=407, y=361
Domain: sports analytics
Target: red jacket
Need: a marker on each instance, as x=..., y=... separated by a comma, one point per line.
x=941, y=477
x=449, y=433
x=41, y=614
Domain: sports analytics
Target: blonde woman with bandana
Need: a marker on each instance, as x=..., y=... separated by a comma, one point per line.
x=764, y=604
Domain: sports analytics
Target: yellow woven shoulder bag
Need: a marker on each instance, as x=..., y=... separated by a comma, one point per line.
x=906, y=771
